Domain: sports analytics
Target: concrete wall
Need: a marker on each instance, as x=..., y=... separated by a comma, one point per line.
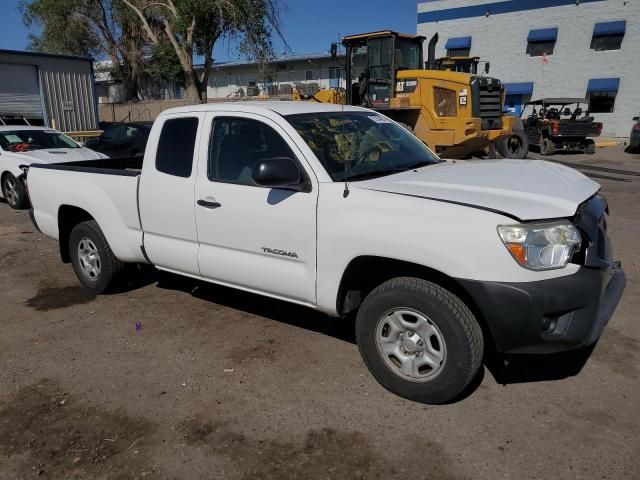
x=501, y=39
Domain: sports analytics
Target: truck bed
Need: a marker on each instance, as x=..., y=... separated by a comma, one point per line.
x=106, y=190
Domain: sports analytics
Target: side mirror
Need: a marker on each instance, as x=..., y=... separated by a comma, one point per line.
x=278, y=172
x=487, y=67
x=636, y=119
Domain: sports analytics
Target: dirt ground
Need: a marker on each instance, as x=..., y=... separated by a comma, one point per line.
x=216, y=383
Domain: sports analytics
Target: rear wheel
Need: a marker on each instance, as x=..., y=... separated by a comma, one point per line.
x=591, y=148
x=14, y=192
x=419, y=340
x=547, y=147
x=93, y=261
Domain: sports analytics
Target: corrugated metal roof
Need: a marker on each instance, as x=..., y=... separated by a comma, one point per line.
x=45, y=55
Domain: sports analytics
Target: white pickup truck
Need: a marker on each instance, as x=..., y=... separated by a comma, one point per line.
x=343, y=210
x=24, y=145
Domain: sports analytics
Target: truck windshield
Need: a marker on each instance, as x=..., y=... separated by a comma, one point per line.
x=26, y=140
x=360, y=145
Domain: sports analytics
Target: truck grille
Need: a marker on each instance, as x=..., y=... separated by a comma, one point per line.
x=487, y=102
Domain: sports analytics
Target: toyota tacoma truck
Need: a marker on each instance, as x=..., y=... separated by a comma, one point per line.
x=23, y=145
x=344, y=211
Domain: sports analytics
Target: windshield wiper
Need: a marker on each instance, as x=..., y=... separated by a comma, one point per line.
x=388, y=171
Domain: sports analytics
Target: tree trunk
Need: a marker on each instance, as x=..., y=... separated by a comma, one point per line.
x=192, y=87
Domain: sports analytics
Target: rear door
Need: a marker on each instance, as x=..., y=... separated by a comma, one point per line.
x=256, y=238
x=166, y=195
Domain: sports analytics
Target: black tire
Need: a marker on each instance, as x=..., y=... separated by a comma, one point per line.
x=591, y=148
x=110, y=267
x=547, y=147
x=463, y=343
x=515, y=145
x=14, y=192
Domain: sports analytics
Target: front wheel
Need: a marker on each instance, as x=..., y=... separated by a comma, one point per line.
x=14, y=192
x=515, y=145
x=419, y=340
x=94, y=263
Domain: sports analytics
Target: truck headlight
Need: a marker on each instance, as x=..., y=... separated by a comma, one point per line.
x=541, y=246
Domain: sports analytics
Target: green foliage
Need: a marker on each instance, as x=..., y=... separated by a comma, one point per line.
x=164, y=64
x=63, y=30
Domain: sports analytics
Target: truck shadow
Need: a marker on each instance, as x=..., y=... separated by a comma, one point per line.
x=522, y=368
x=270, y=308
x=505, y=369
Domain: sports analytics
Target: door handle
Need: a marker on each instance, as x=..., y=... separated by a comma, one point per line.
x=207, y=204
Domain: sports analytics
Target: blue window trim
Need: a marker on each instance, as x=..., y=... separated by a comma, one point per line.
x=494, y=8
x=603, y=85
x=609, y=28
x=543, y=35
x=458, y=42
x=520, y=88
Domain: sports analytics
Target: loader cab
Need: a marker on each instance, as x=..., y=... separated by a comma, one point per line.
x=373, y=62
x=459, y=64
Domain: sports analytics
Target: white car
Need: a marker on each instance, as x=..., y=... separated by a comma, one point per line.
x=24, y=145
x=343, y=210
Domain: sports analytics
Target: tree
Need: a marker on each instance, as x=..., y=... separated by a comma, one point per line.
x=192, y=28
x=96, y=28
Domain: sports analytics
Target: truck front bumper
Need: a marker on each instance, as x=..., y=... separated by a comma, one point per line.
x=561, y=313
x=551, y=315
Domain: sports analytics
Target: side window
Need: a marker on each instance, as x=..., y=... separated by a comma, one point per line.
x=110, y=133
x=445, y=102
x=237, y=144
x=176, y=146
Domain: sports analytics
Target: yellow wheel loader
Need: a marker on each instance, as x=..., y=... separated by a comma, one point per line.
x=448, y=105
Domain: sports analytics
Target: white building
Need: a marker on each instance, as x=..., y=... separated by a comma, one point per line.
x=306, y=72
x=592, y=49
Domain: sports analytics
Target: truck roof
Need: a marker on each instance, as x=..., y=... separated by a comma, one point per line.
x=280, y=107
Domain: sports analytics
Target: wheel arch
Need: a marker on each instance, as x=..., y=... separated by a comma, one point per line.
x=366, y=272
x=68, y=217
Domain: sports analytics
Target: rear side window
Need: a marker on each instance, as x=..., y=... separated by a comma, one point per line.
x=176, y=146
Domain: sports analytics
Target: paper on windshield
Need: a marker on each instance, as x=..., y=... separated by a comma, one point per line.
x=379, y=119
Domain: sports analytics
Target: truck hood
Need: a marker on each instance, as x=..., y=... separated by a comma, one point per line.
x=524, y=189
x=57, y=155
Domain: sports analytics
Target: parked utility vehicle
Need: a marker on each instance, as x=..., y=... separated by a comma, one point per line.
x=560, y=124
x=23, y=145
x=342, y=210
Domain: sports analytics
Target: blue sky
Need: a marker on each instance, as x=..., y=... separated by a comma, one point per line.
x=309, y=26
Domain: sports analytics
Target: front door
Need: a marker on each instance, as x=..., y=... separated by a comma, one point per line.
x=256, y=238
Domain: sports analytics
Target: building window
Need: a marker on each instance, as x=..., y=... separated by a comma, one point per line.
x=542, y=41
x=458, y=52
x=458, y=47
x=309, y=75
x=602, y=94
x=445, y=102
x=608, y=36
